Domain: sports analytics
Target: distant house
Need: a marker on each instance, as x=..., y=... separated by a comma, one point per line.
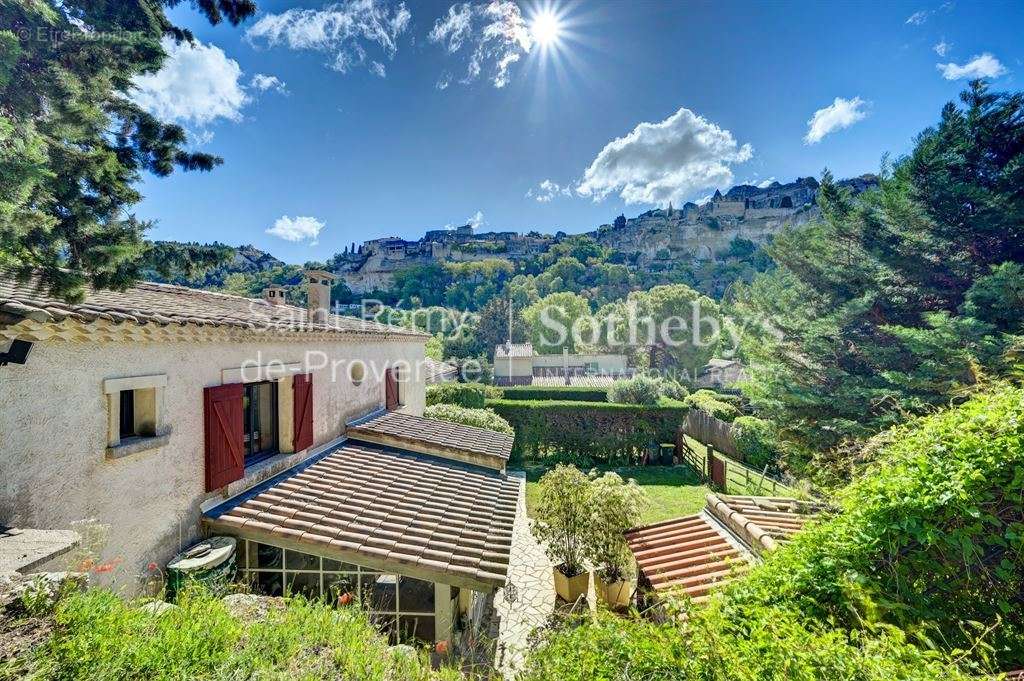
x=517, y=364
x=721, y=373
x=164, y=414
x=435, y=371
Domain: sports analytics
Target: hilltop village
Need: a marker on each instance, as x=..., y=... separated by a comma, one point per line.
x=693, y=232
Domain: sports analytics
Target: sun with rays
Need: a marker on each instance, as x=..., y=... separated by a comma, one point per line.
x=546, y=28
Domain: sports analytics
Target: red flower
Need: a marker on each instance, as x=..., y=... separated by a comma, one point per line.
x=441, y=647
x=152, y=566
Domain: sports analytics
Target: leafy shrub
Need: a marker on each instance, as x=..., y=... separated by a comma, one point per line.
x=637, y=390
x=932, y=533
x=713, y=403
x=674, y=390
x=772, y=643
x=563, y=517
x=926, y=555
x=97, y=635
x=478, y=418
x=469, y=395
x=617, y=506
x=755, y=441
x=642, y=389
x=602, y=431
x=562, y=392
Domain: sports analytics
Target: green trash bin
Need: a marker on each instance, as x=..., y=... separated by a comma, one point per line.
x=211, y=562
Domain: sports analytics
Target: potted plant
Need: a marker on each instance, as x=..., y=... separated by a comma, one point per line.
x=563, y=525
x=617, y=506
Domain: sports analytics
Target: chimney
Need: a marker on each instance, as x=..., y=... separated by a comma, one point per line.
x=274, y=295
x=318, y=294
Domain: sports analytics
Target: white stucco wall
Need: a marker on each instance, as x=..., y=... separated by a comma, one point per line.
x=53, y=434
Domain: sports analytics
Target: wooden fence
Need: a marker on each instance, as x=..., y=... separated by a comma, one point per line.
x=706, y=429
x=728, y=474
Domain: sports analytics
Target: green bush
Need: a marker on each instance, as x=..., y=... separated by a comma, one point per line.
x=931, y=534
x=720, y=406
x=602, y=431
x=642, y=389
x=478, y=418
x=468, y=395
x=636, y=390
x=563, y=392
x=98, y=635
x=563, y=518
x=920, y=576
x=770, y=644
x=756, y=441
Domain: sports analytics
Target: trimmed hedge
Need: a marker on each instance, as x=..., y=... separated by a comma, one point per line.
x=720, y=406
x=468, y=395
x=478, y=418
x=565, y=392
x=601, y=431
x=756, y=441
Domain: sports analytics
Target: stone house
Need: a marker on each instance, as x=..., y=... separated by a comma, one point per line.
x=152, y=411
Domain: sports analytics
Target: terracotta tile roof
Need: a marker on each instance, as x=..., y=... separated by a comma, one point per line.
x=386, y=509
x=436, y=436
x=506, y=350
x=164, y=305
x=698, y=552
x=689, y=554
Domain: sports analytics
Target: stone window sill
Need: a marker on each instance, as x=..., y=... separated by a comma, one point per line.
x=137, y=445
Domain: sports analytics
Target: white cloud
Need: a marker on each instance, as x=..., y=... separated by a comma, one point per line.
x=476, y=221
x=919, y=17
x=667, y=161
x=840, y=114
x=263, y=82
x=495, y=34
x=980, y=66
x=202, y=137
x=547, y=190
x=765, y=183
x=378, y=69
x=340, y=30
x=297, y=229
x=444, y=81
x=942, y=48
x=197, y=84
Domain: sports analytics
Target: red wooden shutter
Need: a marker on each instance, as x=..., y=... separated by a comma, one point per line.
x=390, y=390
x=302, y=402
x=225, y=443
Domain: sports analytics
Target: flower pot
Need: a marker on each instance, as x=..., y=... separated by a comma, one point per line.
x=614, y=594
x=571, y=588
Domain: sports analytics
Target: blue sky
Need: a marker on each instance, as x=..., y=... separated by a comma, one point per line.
x=355, y=134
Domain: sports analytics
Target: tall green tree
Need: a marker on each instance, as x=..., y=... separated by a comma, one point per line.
x=552, y=322
x=890, y=305
x=73, y=146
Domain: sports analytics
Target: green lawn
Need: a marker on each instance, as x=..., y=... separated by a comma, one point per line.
x=674, y=491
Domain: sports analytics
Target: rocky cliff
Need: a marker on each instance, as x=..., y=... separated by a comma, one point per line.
x=700, y=232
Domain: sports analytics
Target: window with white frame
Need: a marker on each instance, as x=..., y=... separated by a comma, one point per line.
x=135, y=406
x=401, y=607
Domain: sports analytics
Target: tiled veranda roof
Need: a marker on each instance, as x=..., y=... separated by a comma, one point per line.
x=386, y=509
x=698, y=552
x=433, y=434
x=690, y=554
x=166, y=305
